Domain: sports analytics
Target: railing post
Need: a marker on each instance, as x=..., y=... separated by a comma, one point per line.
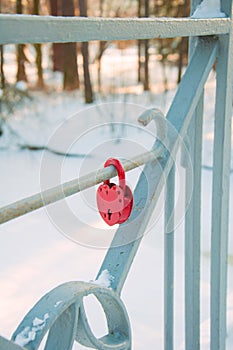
x=192, y=232
x=169, y=261
x=193, y=220
x=221, y=177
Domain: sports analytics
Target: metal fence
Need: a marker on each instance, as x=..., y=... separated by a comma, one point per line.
x=211, y=41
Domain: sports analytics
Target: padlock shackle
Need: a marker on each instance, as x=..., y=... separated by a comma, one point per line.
x=120, y=171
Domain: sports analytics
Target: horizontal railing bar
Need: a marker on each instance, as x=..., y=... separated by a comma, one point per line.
x=41, y=29
x=69, y=188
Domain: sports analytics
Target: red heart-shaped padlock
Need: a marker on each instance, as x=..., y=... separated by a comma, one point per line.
x=114, y=202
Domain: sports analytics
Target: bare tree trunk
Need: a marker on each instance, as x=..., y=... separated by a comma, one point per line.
x=55, y=10
x=184, y=42
x=139, y=60
x=40, y=78
x=21, y=58
x=70, y=66
x=2, y=80
x=164, y=75
x=21, y=73
x=146, y=52
x=2, y=87
x=101, y=50
x=146, y=66
x=87, y=80
x=181, y=60
x=102, y=47
x=139, y=44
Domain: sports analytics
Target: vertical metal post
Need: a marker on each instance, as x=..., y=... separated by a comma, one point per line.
x=192, y=233
x=221, y=177
x=169, y=262
x=193, y=221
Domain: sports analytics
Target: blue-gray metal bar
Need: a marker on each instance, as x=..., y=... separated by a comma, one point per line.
x=9, y=345
x=119, y=258
x=41, y=29
x=221, y=176
x=39, y=200
x=192, y=232
x=193, y=220
x=59, y=313
x=169, y=262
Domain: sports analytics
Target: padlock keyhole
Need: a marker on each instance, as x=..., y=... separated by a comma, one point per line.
x=109, y=214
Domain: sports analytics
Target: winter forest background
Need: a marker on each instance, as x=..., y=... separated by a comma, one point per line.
x=41, y=87
x=79, y=64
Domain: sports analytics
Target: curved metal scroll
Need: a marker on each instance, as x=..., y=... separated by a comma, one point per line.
x=61, y=313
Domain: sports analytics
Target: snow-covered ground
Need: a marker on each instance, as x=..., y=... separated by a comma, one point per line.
x=35, y=256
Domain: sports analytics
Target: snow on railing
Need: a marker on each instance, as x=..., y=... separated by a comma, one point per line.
x=14, y=28
x=61, y=312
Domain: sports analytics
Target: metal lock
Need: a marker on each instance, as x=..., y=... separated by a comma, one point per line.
x=114, y=202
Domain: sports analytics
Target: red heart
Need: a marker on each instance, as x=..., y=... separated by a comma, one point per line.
x=111, y=203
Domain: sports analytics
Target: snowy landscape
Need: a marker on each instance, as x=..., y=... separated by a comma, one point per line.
x=37, y=254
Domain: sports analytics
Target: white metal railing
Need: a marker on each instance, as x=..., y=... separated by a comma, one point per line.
x=212, y=39
x=43, y=29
